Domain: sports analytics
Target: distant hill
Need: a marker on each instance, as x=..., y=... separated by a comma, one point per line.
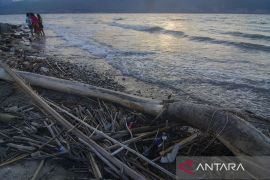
x=135, y=6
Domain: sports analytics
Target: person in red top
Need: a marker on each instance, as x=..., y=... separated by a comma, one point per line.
x=35, y=24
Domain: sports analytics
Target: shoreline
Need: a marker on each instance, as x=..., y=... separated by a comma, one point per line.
x=132, y=85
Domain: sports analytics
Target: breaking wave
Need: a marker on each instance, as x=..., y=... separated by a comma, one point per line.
x=149, y=29
x=251, y=36
x=242, y=45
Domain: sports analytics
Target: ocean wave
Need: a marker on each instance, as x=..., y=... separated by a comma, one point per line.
x=179, y=19
x=201, y=38
x=247, y=35
x=136, y=53
x=245, y=84
x=70, y=35
x=99, y=49
x=250, y=46
x=258, y=22
x=242, y=45
x=118, y=19
x=232, y=86
x=148, y=29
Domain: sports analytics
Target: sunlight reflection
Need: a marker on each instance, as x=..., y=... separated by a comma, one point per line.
x=170, y=25
x=173, y=25
x=167, y=42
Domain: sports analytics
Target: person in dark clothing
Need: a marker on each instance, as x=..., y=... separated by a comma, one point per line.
x=40, y=22
x=29, y=23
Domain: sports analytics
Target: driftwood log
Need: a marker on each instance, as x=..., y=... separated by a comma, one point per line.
x=241, y=137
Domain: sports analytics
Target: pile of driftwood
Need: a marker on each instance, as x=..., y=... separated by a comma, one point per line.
x=130, y=141
x=105, y=125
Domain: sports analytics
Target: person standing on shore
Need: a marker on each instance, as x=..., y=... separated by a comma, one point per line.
x=29, y=23
x=35, y=24
x=40, y=22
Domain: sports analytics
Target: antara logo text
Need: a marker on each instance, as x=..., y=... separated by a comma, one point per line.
x=187, y=167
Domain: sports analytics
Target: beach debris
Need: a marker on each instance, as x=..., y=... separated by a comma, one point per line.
x=26, y=63
x=97, y=149
x=44, y=70
x=5, y=28
x=170, y=157
x=7, y=118
x=223, y=124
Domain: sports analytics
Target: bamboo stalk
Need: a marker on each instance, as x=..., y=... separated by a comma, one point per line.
x=14, y=160
x=95, y=167
x=34, y=177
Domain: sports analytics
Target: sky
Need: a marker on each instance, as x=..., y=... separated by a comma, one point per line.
x=135, y=6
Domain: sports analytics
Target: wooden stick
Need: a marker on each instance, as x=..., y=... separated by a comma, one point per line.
x=31, y=140
x=109, y=164
x=182, y=143
x=7, y=118
x=53, y=134
x=14, y=160
x=122, y=133
x=21, y=147
x=138, y=138
x=34, y=177
x=146, y=170
x=95, y=167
